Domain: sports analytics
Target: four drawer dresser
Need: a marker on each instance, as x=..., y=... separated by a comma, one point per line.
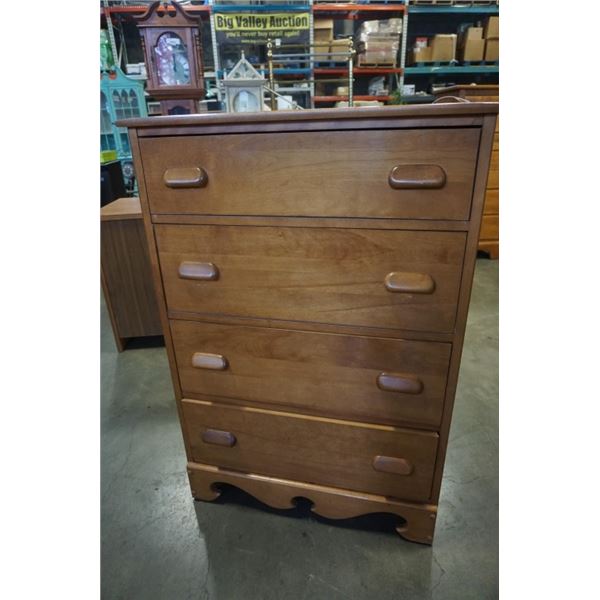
x=313, y=271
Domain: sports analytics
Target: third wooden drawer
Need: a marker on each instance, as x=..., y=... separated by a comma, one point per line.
x=358, y=277
x=368, y=379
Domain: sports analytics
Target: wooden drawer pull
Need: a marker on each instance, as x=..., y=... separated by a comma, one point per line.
x=204, y=360
x=417, y=177
x=189, y=177
x=389, y=464
x=396, y=382
x=218, y=437
x=409, y=283
x=197, y=270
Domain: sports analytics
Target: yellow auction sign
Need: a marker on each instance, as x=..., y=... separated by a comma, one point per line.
x=257, y=28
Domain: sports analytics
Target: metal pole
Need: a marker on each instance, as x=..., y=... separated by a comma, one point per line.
x=271, y=78
x=311, y=41
x=215, y=49
x=111, y=34
x=350, y=72
x=403, y=45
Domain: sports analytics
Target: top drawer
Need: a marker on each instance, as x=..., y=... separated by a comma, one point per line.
x=407, y=174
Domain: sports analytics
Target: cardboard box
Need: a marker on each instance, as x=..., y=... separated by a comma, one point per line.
x=323, y=30
x=472, y=51
x=339, y=46
x=443, y=47
x=492, y=28
x=321, y=48
x=492, y=50
x=471, y=33
x=421, y=54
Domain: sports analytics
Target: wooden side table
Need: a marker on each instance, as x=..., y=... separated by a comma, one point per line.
x=489, y=239
x=126, y=272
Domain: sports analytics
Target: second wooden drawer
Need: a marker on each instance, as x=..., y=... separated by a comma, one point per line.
x=377, y=459
x=364, y=277
x=369, y=379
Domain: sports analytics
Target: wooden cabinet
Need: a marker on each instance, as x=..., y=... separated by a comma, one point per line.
x=126, y=273
x=316, y=268
x=489, y=237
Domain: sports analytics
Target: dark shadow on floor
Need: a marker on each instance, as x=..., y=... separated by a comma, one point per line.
x=380, y=522
x=139, y=343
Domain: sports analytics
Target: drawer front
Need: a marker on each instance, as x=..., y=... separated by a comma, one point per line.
x=390, y=279
x=415, y=173
x=489, y=227
x=380, y=460
x=368, y=379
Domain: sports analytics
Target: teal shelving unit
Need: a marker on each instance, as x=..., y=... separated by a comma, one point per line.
x=121, y=97
x=453, y=70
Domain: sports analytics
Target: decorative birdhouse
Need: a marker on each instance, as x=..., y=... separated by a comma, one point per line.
x=173, y=55
x=244, y=87
x=120, y=98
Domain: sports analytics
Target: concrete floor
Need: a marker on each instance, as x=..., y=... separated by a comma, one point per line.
x=157, y=543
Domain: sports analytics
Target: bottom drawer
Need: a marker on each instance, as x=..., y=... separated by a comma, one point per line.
x=370, y=458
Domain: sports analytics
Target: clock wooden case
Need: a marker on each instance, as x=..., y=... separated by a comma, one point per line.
x=173, y=54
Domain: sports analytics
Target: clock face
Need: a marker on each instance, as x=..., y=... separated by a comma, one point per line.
x=245, y=101
x=172, y=64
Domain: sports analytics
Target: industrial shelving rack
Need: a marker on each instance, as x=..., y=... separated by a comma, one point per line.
x=470, y=10
x=340, y=10
x=375, y=9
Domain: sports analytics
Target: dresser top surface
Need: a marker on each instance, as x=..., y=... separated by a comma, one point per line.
x=323, y=114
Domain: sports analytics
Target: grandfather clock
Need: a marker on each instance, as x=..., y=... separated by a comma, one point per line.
x=173, y=54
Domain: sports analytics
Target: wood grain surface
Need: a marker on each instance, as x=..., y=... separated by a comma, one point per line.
x=491, y=205
x=319, y=275
x=128, y=286
x=328, y=118
x=493, y=179
x=299, y=319
x=121, y=209
x=490, y=227
x=333, y=174
x=303, y=448
x=319, y=373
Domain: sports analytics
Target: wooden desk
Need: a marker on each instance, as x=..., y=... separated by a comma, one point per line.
x=126, y=272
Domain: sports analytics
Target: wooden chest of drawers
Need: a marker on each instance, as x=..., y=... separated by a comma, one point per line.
x=313, y=272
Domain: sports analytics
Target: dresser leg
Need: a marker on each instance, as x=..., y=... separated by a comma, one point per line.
x=419, y=526
x=203, y=485
x=331, y=503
